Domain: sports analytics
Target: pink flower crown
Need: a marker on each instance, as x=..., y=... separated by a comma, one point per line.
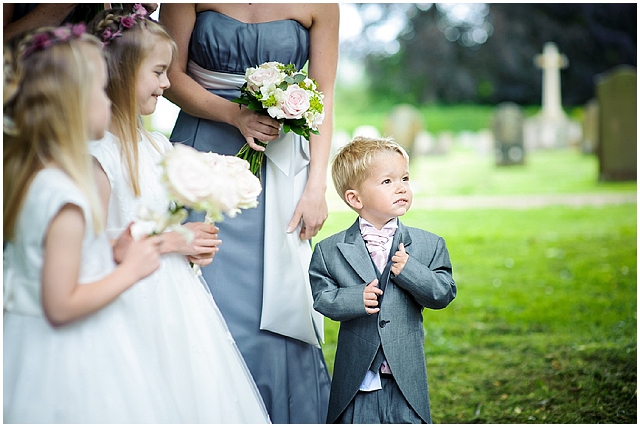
x=46, y=39
x=124, y=23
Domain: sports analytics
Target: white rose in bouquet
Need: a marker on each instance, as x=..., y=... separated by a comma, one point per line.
x=265, y=75
x=187, y=176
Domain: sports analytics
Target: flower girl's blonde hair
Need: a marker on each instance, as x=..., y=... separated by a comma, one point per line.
x=126, y=46
x=47, y=76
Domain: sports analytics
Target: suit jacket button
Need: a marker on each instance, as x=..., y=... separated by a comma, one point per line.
x=383, y=323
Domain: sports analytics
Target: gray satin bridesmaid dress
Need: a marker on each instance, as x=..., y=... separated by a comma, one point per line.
x=291, y=375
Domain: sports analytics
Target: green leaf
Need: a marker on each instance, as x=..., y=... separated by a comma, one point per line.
x=299, y=78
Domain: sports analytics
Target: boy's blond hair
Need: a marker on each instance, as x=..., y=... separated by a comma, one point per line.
x=351, y=165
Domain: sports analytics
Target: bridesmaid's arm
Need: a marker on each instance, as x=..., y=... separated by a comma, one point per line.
x=323, y=61
x=186, y=93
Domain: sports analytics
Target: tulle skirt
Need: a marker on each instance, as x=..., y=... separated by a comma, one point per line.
x=161, y=353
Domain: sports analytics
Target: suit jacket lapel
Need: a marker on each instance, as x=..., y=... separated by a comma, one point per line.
x=402, y=235
x=355, y=253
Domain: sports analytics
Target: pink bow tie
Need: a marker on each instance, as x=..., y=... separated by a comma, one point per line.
x=376, y=240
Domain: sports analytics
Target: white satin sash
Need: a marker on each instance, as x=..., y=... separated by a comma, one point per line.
x=287, y=303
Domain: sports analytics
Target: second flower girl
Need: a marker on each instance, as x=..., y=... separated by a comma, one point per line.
x=179, y=324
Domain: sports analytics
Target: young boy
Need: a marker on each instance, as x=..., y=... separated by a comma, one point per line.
x=380, y=371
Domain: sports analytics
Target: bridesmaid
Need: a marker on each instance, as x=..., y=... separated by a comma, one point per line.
x=260, y=280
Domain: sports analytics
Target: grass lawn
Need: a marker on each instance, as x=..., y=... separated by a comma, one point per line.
x=544, y=328
x=462, y=172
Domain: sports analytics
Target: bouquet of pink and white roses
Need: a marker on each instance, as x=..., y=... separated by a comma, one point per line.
x=287, y=95
x=208, y=182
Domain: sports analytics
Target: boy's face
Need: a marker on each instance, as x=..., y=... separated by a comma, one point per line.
x=386, y=193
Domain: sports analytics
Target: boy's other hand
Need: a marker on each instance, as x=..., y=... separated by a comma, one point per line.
x=370, y=296
x=399, y=260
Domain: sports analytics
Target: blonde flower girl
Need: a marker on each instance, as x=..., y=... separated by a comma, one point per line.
x=67, y=347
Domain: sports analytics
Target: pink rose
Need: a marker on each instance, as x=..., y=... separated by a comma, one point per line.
x=264, y=77
x=295, y=103
x=127, y=21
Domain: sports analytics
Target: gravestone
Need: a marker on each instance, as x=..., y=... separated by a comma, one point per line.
x=403, y=124
x=589, y=141
x=617, y=124
x=367, y=131
x=550, y=128
x=424, y=143
x=508, y=134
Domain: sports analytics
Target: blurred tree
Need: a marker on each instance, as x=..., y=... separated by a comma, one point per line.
x=492, y=60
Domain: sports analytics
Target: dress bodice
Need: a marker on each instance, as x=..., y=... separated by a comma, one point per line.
x=123, y=204
x=50, y=191
x=224, y=44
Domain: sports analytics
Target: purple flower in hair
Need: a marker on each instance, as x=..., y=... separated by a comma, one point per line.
x=61, y=33
x=41, y=41
x=78, y=29
x=106, y=34
x=127, y=21
x=139, y=10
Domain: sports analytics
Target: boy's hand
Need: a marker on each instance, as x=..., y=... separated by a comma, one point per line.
x=399, y=259
x=370, y=295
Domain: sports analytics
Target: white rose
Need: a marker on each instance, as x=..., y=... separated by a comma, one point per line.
x=264, y=77
x=187, y=175
x=295, y=103
x=223, y=196
x=248, y=188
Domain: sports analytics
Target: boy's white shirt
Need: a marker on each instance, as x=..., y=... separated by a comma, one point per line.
x=372, y=380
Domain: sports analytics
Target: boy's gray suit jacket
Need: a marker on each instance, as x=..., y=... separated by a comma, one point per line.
x=340, y=269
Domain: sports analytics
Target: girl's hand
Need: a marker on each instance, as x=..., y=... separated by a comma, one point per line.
x=204, y=244
x=121, y=245
x=202, y=260
x=254, y=126
x=311, y=211
x=370, y=296
x=142, y=257
x=399, y=259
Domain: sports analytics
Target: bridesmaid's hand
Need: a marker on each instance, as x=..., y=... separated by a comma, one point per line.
x=311, y=211
x=256, y=126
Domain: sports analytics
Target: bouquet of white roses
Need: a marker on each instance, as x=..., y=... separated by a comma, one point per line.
x=287, y=95
x=208, y=182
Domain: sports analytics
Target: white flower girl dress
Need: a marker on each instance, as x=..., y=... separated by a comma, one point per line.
x=172, y=313
x=83, y=372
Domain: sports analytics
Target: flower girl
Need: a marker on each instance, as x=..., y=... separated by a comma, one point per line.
x=179, y=326
x=67, y=355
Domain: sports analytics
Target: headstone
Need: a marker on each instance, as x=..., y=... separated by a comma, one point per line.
x=485, y=142
x=424, y=143
x=403, y=123
x=589, y=142
x=551, y=61
x=340, y=138
x=508, y=134
x=366, y=130
x=617, y=124
x=549, y=128
x=444, y=143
